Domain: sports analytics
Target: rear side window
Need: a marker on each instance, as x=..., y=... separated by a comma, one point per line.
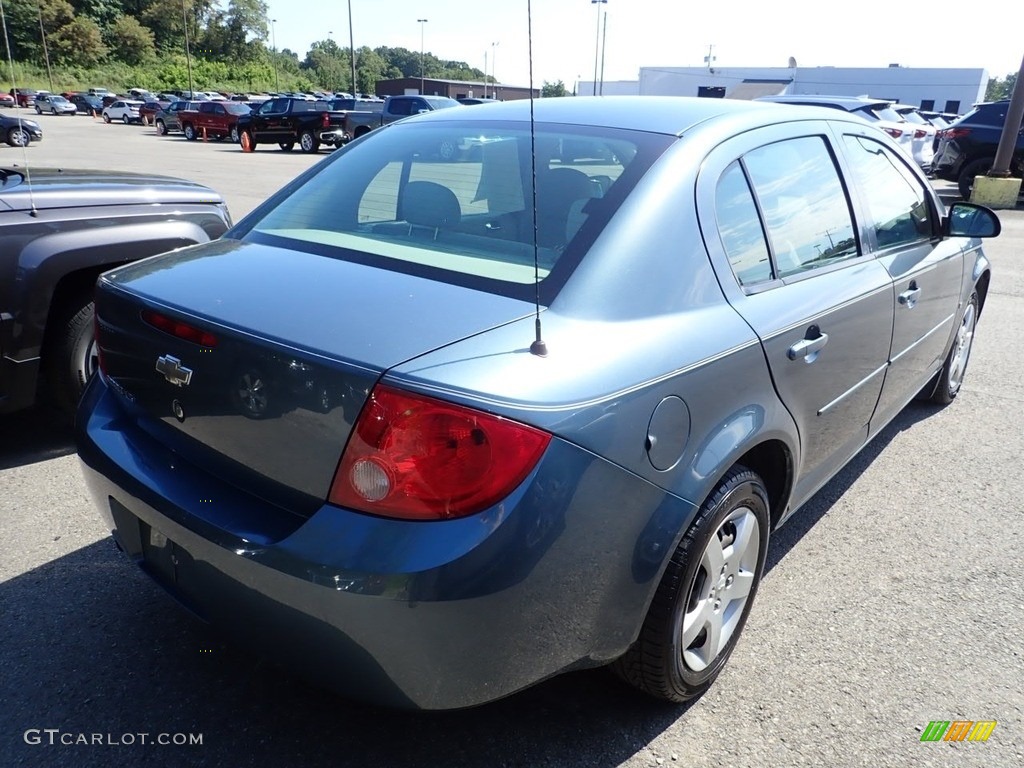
x=896, y=200
x=739, y=226
x=805, y=208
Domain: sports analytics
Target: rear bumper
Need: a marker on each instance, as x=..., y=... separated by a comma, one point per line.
x=334, y=137
x=415, y=615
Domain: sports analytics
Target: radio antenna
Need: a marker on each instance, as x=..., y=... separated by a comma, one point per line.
x=14, y=87
x=538, y=347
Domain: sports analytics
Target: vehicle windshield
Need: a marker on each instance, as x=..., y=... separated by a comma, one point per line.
x=454, y=201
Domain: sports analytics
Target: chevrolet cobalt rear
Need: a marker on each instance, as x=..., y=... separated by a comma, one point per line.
x=431, y=427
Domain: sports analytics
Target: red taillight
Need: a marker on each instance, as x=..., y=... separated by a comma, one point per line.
x=920, y=133
x=417, y=458
x=325, y=120
x=956, y=133
x=179, y=329
x=894, y=132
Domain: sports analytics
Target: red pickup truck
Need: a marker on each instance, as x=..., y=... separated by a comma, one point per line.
x=218, y=119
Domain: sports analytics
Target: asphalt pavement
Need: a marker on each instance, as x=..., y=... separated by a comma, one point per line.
x=893, y=599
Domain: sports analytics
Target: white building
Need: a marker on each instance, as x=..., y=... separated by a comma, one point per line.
x=941, y=90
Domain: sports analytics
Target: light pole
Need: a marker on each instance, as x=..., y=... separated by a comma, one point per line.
x=273, y=42
x=422, y=23
x=46, y=53
x=494, y=76
x=604, y=50
x=188, y=51
x=597, y=41
x=352, y=51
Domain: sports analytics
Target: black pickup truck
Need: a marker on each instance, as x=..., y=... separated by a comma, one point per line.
x=60, y=230
x=289, y=121
x=310, y=124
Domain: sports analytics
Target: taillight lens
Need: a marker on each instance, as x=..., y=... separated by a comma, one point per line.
x=417, y=458
x=920, y=133
x=325, y=120
x=955, y=133
x=894, y=132
x=179, y=329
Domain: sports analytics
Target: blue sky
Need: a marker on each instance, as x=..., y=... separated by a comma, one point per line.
x=874, y=33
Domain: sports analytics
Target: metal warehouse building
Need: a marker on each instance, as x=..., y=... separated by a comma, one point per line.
x=941, y=90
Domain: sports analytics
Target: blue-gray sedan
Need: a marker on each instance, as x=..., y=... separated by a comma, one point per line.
x=431, y=426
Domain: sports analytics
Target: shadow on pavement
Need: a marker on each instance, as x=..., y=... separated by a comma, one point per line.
x=35, y=435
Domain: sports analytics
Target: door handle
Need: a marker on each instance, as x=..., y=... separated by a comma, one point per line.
x=808, y=348
x=909, y=297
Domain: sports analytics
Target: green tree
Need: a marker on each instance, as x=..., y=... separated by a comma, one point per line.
x=131, y=42
x=553, y=89
x=79, y=42
x=1000, y=88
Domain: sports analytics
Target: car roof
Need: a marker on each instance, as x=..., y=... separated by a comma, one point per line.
x=670, y=115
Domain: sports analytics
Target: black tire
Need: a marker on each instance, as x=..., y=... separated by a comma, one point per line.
x=161, y=128
x=189, y=131
x=286, y=146
x=125, y=119
x=54, y=111
x=308, y=143
x=70, y=359
x=951, y=377
x=38, y=110
x=658, y=663
x=966, y=179
x=106, y=118
x=234, y=134
x=18, y=137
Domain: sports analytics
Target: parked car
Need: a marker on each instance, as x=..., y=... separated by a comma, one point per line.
x=7, y=100
x=878, y=112
x=148, y=111
x=167, y=119
x=967, y=148
x=469, y=424
x=923, y=135
x=54, y=104
x=213, y=119
x=123, y=110
x=87, y=104
x=19, y=132
x=24, y=96
x=81, y=223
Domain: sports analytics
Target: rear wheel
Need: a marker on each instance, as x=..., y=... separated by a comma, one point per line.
x=447, y=149
x=125, y=119
x=106, y=118
x=72, y=359
x=189, y=131
x=39, y=110
x=966, y=180
x=234, y=134
x=951, y=377
x=161, y=128
x=705, y=595
x=308, y=142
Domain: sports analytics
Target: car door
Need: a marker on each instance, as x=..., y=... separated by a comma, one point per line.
x=266, y=122
x=902, y=225
x=782, y=237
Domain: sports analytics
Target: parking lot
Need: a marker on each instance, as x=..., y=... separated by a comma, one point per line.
x=892, y=600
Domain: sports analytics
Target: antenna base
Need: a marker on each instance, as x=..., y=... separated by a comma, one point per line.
x=539, y=348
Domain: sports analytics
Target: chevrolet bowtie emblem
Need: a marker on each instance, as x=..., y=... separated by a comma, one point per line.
x=173, y=370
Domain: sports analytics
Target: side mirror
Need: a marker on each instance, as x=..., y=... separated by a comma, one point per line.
x=971, y=220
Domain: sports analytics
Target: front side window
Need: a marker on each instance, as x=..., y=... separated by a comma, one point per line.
x=455, y=201
x=805, y=208
x=896, y=200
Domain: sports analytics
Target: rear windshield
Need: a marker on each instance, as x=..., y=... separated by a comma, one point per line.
x=454, y=201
